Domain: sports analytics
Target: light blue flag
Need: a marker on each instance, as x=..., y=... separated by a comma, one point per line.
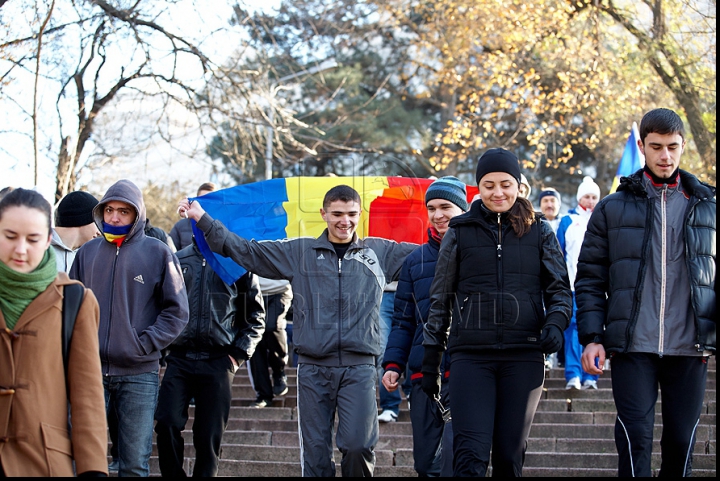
x=632, y=159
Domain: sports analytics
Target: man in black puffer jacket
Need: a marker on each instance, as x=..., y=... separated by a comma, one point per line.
x=226, y=324
x=646, y=296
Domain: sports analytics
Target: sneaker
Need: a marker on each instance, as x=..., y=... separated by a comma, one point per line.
x=114, y=466
x=280, y=386
x=260, y=403
x=387, y=417
x=573, y=383
x=589, y=384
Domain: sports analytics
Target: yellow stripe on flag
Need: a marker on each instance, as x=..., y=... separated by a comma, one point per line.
x=305, y=196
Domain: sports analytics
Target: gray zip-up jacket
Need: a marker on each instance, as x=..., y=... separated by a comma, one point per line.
x=139, y=287
x=336, y=302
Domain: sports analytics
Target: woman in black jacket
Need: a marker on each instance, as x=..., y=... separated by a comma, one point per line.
x=501, y=279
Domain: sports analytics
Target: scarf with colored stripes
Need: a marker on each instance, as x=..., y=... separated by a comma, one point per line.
x=434, y=234
x=116, y=234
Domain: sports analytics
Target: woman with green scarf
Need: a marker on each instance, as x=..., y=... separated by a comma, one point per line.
x=34, y=392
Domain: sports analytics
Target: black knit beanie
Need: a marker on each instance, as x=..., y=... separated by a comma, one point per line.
x=549, y=192
x=498, y=160
x=75, y=210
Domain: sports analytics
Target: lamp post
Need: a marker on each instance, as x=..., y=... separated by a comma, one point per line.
x=321, y=67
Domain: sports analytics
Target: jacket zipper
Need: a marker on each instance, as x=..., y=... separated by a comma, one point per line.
x=200, y=305
x=663, y=269
x=340, y=306
x=499, y=299
x=112, y=295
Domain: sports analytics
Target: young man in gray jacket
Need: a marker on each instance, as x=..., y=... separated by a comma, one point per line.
x=646, y=297
x=143, y=307
x=337, y=281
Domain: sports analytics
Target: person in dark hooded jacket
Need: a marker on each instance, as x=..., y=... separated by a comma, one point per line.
x=646, y=296
x=143, y=308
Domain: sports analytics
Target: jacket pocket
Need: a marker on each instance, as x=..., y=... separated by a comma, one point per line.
x=58, y=450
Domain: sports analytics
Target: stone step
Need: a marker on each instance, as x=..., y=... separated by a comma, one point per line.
x=572, y=434
x=536, y=464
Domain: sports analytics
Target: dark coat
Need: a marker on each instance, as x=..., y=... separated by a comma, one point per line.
x=614, y=256
x=502, y=289
x=224, y=319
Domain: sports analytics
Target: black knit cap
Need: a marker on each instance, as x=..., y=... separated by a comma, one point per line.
x=498, y=160
x=75, y=210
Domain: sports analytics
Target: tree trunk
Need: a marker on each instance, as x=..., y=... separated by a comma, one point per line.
x=65, y=177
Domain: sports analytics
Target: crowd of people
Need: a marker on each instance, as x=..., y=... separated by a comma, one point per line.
x=467, y=322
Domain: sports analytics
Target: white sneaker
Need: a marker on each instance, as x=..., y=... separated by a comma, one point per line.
x=573, y=383
x=387, y=417
x=589, y=384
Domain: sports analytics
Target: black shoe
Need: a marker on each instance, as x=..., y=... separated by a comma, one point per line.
x=280, y=386
x=260, y=403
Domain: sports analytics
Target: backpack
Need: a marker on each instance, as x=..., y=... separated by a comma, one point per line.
x=72, y=299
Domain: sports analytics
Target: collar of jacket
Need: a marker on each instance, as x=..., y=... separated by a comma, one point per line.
x=691, y=184
x=478, y=213
x=322, y=242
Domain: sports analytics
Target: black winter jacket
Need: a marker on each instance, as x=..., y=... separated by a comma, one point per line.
x=502, y=290
x=224, y=319
x=614, y=256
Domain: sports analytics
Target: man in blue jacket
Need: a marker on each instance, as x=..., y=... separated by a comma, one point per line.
x=646, y=296
x=432, y=437
x=143, y=308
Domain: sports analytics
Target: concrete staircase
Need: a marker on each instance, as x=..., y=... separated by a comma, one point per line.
x=572, y=435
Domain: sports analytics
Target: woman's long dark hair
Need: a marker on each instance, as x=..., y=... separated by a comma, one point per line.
x=521, y=216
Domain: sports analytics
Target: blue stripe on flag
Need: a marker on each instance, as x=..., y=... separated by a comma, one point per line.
x=253, y=211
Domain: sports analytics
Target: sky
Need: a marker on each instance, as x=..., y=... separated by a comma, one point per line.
x=157, y=164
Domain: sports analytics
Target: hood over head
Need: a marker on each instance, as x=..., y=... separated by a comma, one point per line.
x=123, y=191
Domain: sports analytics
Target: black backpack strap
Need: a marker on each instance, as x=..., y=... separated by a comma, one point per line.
x=72, y=299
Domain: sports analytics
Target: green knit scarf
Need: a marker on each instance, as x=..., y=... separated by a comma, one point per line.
x=18, y=289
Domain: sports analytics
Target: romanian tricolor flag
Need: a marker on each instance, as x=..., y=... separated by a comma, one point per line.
x=393, y=208
x=632, y=159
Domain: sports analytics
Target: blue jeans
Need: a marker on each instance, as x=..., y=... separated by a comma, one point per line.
x=134, y=398
x=388, y=400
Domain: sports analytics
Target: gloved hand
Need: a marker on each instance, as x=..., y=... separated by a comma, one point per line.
x=431, y=384
x=551, y=339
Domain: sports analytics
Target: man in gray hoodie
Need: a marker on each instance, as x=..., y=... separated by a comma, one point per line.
x=337, y=282
x=143, y=307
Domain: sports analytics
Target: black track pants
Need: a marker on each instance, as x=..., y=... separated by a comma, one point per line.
x=635, y=381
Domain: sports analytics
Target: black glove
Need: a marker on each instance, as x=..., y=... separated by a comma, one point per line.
x=551, y=339
x=430, y=383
